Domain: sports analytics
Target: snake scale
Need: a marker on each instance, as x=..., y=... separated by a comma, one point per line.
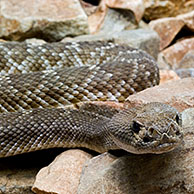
x=46, y=93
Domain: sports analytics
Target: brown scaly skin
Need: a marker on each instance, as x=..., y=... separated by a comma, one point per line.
x=30, y=102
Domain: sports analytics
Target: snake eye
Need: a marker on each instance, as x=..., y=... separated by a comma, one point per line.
x=136, y=127
x=177, y=119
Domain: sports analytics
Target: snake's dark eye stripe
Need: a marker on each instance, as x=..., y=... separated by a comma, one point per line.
x=136, y=127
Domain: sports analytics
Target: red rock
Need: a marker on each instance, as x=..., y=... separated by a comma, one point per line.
x=167, y=29
x=178, y=93
x=62, y=175
x=175, y=53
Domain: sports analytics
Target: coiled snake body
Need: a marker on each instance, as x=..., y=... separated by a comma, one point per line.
x=43, y=90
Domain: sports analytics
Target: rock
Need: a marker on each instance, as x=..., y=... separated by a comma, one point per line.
x=88, y=8
x=144, y=39
x=167, y=29
x=187, y=18
x=178, y=93
x=136, y=6
x=187, y=61
x=117, y=20
x=168, y=75
x=174, y=54
x=14, y=181
x=164, y=173
x=185, y=72
x=155, y=9
x=17, y=173
x=188, y=118
x=114, y=16
x=62, y=175
x=50, y=19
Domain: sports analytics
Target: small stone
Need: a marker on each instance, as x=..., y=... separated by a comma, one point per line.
x=62, y=175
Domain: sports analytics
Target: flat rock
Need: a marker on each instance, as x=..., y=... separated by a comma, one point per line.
x=49, y=19
x=155, y=9
x=145, y=39
x=171, y=172
x=62, y=175
x=178, y=93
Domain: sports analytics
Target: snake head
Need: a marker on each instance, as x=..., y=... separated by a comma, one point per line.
x=151, y=128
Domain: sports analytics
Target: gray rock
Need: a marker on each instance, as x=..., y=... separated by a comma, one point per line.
x=117, y=20
x=188, y=117
x=187, y=61
x=145, y=39
x=49, y=19
x=185, y=72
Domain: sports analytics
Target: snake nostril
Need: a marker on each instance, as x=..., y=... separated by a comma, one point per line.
x=177, y=133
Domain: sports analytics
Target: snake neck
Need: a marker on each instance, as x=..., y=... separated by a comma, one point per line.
x=39, y=129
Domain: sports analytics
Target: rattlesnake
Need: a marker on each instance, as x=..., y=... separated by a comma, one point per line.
x=46, y=93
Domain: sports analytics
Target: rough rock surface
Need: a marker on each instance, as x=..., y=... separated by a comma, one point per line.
x=185, y=72
x=62, y=175
x=49, y=19
x=145, y=39
x=171, y=172
x=113, y=15
x=178, y=93
x=155, y=9
x=17, y=173
x=168, y=28
x=136, y=6
x=174, y=54
x=188, y=60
